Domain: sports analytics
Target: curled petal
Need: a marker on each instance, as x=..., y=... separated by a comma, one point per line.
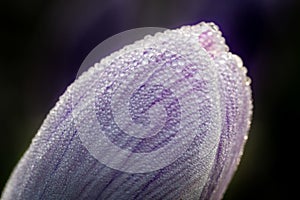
x=163, y=118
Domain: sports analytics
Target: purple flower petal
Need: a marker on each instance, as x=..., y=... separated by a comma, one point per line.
x=164, y=118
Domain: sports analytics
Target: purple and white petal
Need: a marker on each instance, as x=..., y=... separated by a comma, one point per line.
x=163, y=118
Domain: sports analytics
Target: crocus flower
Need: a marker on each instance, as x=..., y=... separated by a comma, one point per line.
x=164, y=118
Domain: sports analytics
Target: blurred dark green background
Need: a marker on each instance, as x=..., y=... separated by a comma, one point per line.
x=44, y=42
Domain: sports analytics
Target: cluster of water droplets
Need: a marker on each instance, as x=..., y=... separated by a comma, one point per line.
x=149, y=101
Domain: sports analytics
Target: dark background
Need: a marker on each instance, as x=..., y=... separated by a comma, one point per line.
x=44, y=42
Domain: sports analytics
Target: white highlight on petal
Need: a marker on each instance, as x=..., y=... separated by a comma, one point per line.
x=173, y=59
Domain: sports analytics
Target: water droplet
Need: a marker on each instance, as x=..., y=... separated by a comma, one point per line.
x=248, y=81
